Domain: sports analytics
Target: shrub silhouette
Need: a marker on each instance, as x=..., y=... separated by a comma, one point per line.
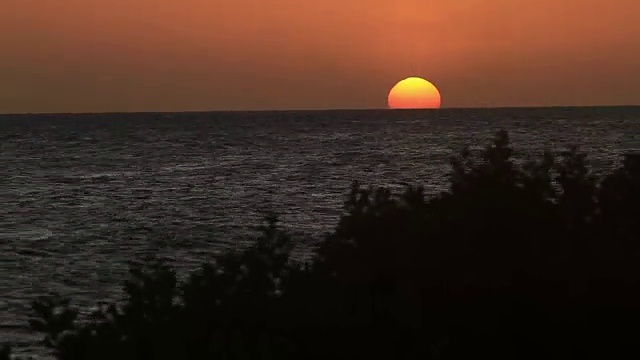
x=5, y=353
x=516, y=260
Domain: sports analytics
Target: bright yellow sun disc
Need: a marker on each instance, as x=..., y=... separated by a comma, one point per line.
x=414, y=93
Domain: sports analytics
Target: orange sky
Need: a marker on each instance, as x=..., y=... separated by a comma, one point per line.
x=174, y=55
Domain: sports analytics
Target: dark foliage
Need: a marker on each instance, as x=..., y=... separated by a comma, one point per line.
x=526, y=261
x=5, y=353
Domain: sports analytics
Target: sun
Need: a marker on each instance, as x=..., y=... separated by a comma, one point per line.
x=414, y=93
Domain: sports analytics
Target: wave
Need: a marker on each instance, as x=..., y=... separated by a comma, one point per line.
x=100, y=175
x=28, y=234
x=186, y=167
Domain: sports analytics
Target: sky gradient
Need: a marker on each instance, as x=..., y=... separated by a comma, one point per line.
x=180, y=55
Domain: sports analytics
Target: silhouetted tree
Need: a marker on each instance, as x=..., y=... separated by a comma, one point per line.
x=5, y=353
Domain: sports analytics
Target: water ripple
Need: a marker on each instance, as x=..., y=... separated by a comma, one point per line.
x=85, y=194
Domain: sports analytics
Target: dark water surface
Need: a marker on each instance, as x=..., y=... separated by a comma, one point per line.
x=80, y=195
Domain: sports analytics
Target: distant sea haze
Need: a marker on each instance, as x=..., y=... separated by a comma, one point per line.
x=84, y=194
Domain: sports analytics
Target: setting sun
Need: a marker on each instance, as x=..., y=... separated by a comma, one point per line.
x=414, y=93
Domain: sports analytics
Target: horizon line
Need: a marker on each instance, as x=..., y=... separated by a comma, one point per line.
x=318, y=110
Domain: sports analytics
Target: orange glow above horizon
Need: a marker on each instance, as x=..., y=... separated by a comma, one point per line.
x=177, y=55
x=414, y=93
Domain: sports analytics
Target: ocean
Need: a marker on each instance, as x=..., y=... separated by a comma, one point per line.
x=82, y=195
